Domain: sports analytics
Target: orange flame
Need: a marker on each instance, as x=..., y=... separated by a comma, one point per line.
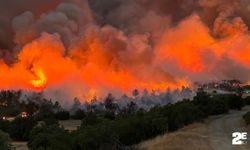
x=41, y=82
x=106, y=60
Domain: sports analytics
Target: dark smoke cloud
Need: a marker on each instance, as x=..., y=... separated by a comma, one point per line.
x=129, y=29
x=11, y=8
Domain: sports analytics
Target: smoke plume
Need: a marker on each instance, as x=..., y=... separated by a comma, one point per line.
x=87, y=48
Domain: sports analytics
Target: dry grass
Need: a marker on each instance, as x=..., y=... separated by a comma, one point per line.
x=20, y=145
x=192, y=137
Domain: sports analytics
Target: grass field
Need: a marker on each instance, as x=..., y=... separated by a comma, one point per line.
x=20, y=146
x=192, y=137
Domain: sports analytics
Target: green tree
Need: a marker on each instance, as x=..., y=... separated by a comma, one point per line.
x=97, y=137
x=50, y=137
x=20, y=128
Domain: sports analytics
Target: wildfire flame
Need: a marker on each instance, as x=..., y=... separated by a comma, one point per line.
x=93, y=57
x=40, y=82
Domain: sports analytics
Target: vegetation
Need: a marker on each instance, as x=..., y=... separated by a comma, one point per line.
x=246, y=117
x=112, y=127
x=62, y=115
x=247, y=100
x=79, y=114
x=20, y=128
x=49, y=137
x=4, y=141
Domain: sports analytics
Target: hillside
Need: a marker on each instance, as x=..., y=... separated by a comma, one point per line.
x=214, y=134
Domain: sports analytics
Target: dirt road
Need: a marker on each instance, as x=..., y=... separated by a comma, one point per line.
x=221, y=128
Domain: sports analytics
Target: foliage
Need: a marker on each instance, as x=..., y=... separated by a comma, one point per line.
x=246, y=117
x=49, y=137
x=79, y=114
x=97, y=136
x=109, y=103
x=4, y=141
x=247, y=100
x=111, y=128
x=20, y=128
x=4, y=125
x=62, y=115
x=233, y=101
x=182, y=114
x=217, y=104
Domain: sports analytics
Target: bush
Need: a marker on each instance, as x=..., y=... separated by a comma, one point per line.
x=232, y=100
x=135, y=129
x=4, y=141
x=79, y=114
x=218, y=107
x=4, y=125
x=20, y=128
x=62, y=115
x=182, y=114
x=41, y=116
x=218, y=104
x=100, y=136
x=246, y=117
x=50, y=137
x=247, y=100
x=203, y=101
x=91, y=119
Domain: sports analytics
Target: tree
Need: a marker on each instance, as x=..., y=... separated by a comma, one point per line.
x=79, y=114
x=9, y=103
x=203, y=101
x=31, y=107
x=135, y=92
x=20, y=128
x=132, y=107
x=50, y=137
x=4, y=141
x=76, y=105
x=99, y=136
x=109, y=103
x=62, y=115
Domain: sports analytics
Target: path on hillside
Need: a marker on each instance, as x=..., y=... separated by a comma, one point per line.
x=221, y=128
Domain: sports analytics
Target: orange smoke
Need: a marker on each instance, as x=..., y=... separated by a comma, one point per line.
x=106, y=60
x=42, y=64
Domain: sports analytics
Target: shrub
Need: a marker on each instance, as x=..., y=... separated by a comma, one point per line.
x=20, y=128
x=218, y=104
x=4, y=125
x=4, y=141
x=134, y=129
x=182, y=114
x=79, y=114
x=246, y=117
x=100, y=136
x=62, y=115
x=247, y=100
x=49, y=137
x=232, y=100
